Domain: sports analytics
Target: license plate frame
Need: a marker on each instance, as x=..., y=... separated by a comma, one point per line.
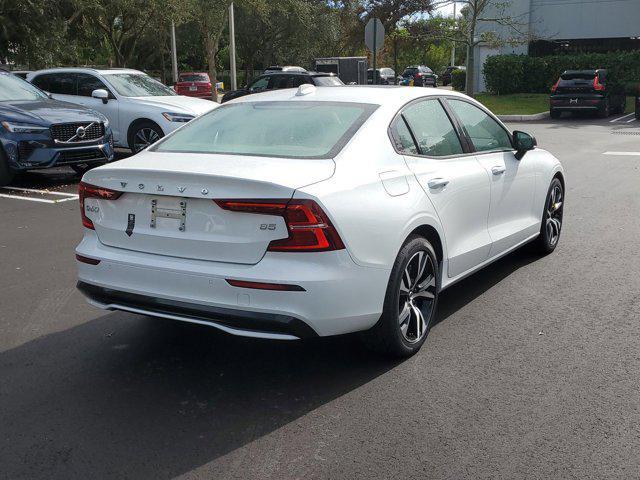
x=193, y=88
x=179, y=213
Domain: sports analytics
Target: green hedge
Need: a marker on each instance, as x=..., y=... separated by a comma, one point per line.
x=459, y=80
x=505, y=74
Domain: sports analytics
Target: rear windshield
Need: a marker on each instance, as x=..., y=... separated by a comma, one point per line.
x=578, y=76
x=409, y=71
x=294, y=129
x=194, y=78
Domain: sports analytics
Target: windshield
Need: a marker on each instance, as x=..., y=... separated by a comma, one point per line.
x=13, y=88
x=138, y=85
x=328, y=81
x=195, y=77
x=299, y=129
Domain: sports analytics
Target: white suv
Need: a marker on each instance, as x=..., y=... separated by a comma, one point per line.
x=140, y=109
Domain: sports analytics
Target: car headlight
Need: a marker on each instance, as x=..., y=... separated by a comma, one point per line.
x=105, y=122
x=17, y=127
x=177, y=117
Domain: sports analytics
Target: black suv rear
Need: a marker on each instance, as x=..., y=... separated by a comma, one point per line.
x=587, y=90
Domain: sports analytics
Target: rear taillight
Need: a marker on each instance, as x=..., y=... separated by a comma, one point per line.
x=91, y=191
x=597, y=85
x=555, y=86
x=310, y=230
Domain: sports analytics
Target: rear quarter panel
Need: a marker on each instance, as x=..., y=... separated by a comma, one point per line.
x=373, y=218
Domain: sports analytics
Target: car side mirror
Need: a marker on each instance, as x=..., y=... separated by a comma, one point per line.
x=523, y=142
x=101, y=93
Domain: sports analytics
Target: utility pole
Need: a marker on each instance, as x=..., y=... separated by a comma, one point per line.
x=174, y=54
x=453, y=47
x=232, y=48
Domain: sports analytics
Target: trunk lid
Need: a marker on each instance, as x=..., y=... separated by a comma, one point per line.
x=167, y=205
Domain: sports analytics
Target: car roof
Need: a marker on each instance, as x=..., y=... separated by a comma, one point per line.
x=101, y=71
x=584, y=72
x=193, y=73
x=393, y=96
x=306, y=73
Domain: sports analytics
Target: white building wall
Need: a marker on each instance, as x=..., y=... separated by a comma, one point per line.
x=559, y=20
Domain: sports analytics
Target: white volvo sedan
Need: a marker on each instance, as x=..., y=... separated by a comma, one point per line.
x=314, y=212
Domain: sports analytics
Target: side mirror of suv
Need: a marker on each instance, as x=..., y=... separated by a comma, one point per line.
x=102, y=94
x=523, y=142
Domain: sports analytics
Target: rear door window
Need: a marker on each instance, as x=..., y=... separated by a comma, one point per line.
x=63, y=84
x=432, y=129
x=60, y=83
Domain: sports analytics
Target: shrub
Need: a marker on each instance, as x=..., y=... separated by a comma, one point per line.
x=506, y=74
x=459, y=80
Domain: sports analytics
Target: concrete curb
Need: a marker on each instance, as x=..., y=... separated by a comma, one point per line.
x=523, y=118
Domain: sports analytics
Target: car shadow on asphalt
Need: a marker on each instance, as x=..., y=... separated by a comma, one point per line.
x=129, y=396
x=136, y=397
x=460, y=294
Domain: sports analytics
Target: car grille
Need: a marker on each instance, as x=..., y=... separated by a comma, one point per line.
x=63, y=132
x=74, y=156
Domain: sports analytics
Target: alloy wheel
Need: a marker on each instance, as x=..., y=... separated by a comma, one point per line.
x=417, y=297
x=143, y=138
x=554, y=215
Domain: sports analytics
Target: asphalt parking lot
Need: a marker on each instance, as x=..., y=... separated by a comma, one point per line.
x=530, y=372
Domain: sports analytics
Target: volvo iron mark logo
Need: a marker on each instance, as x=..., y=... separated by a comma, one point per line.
x=81, y=132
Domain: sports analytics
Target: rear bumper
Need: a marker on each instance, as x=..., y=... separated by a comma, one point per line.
x=576, y=102
x=234, y=321
x=339, y=297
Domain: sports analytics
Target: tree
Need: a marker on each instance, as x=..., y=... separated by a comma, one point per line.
x=476, y=12
x=391, y=12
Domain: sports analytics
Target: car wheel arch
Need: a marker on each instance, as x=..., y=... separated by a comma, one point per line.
x=139, y=121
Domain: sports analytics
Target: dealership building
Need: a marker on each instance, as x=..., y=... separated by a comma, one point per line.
x=546, y=27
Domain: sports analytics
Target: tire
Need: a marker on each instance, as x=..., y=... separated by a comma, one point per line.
x=553, y=113
x=410, y=301
x=551, y=226
x=6, y=174
x=142, y=134
x=605, y=110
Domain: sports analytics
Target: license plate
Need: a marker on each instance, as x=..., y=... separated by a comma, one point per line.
x=169, y=212
x=193, y=89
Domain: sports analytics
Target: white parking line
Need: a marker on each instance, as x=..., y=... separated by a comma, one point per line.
x=632, y=120
x=621, y=118
x=623, y=154
x=67, y=197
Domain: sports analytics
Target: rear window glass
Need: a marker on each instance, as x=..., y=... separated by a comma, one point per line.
x=409, y=71
x=194, y=78
x=578, y=76
x=293, y=129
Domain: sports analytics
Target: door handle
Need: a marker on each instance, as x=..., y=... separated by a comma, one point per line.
x=498, y=170
x=437, y=182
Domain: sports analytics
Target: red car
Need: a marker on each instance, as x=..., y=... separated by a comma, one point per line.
x=193, y=84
